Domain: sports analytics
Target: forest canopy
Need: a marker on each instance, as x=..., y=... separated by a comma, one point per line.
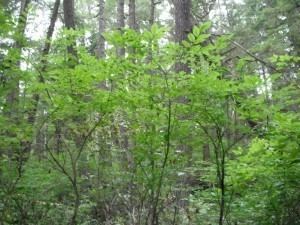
x=150, y=112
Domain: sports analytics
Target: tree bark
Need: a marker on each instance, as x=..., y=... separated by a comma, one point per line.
x=152, y=13
x=183, y=26
x=69, y=15
x=101, y=41
x=69, y=19
x=121, y=24
x=132, y=15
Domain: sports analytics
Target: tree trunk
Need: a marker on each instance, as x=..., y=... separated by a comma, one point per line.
x=121, y=24
x=73, y=220
x=69, y=15
x=36, y=96
x=45, y=52
x=11, y=107
x=206, y=153
x=101, y=43
x=293, y=19
x=12, y=98
x=152, y=13
x=132, y=15
x=69, y=19
x=183, y=26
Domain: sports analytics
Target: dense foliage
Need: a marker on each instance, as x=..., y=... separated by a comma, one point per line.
x=131, y=139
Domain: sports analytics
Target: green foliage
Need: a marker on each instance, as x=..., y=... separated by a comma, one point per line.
x=127, y=140
x=266, y=177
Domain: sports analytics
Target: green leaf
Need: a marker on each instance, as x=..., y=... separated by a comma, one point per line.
x=205, y=26
x=196, y=31
x=191, y=37
x=186, y=44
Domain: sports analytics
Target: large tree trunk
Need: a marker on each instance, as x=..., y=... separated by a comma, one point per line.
x=132, y=15
x=183, y=26
x=69, y=19
x=69, y=16
x=101, y=41
x=121, y=24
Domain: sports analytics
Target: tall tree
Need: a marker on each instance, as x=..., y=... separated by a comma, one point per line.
x=36, y=96
x=101, y=41
x=13, y=95
x=69, y=14
x=152, y=12
x=132, y=15
x=183, y=22
x=183, y=25
x=121, y=23
x=12, y=107
x=69, y=20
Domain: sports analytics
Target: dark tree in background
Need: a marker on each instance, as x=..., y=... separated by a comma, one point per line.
x=101, y=42
x=183, y=26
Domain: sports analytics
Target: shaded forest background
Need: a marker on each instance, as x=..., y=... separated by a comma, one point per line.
x=149, y=112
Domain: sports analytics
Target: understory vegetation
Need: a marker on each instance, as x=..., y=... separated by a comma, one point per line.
x=122, y=116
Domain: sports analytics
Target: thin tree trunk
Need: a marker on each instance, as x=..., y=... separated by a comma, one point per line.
x=206, y=153
x=152, y=13
x=77, y=195
x=45, y=52
x=36, y=96
x=220, y=156
x=222, y=187
x=156, y=208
